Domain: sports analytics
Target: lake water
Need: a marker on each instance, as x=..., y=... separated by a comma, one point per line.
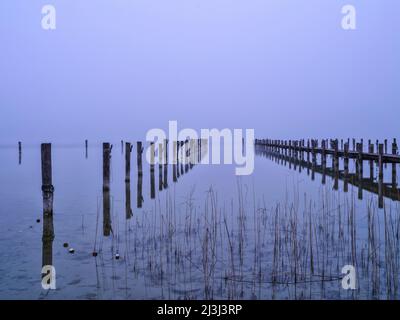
x=276, y=234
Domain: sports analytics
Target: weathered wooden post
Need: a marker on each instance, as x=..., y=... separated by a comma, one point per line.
x=139, y=157
x=336, y=156
x=360, y=169
x=165, y=164
x=380, y=176
x=182, y=154
x=187, y=151
x=19, y=152
x=314, y=159
x=300, y=155
x=336, y=163
x=128, y=206
x=47, y=184
x=178, y=145
x=106, y=189
x=122, y=147
x=371, y=162
x=139, y=193
x=106, y=165
x=360, y=161
x=192, y=153
x=86, y=148
x=308, y=156
x=47, y=193
x=152, y=178
x=394, y=172
x=346, y=166
x=160, y=166
x=174, y=161
x=354, y=144
x=386, y=150
x=128, y=150
x=323, y=160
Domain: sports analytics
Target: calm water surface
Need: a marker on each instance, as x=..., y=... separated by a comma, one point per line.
x=274, y=234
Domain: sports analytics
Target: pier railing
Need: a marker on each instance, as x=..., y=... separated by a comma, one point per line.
x=305, y=154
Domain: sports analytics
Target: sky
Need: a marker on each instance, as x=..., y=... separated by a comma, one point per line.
x=113, y=69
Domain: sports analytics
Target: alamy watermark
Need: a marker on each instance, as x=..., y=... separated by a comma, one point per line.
x=48, y=277
x=237, y=148
x=48, y=19
x=349, y=278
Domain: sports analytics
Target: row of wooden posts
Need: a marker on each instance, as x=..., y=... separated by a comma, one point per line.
x=186, y=154
x=304, y=153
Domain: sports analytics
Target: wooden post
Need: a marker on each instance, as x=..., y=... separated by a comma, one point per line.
x=182, y=154
x=47, y=193
x=187, y=151
x=380, y=176
x=128, y=150
x=165, y=164
x=346, y=166
x=128, y=205
x=106, y=165
x=314, y=159
x=152, y=178
x=323, y=160
x=336, y=156
x=360, y=169
x=394, y=172
x=86, y=148
x=178, y=145
x=371, y=162
x=174, y=162
x=139, y=198
x=386, y=150
x=122, y=147
x=139, y=153
x=360, y=161
x=160, y=167
x=139, y=157
x=19, y=152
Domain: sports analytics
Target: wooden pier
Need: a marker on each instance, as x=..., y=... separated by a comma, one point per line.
x=294, y=151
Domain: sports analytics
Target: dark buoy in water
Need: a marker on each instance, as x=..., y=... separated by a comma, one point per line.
x=94, y=254
x=117, y=256
x=38, y=220
x=71, y=250
x=65, y=245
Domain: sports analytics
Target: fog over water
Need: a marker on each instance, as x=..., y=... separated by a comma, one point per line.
x=115, y=69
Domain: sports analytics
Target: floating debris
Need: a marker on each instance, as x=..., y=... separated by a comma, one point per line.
x=71, y=250
x=38, y=220
x=65, y=245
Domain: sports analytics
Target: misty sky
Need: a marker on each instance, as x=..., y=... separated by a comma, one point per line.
x=115, y=68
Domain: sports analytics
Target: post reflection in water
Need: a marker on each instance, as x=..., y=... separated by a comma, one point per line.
x=356, y=179
x=106, y=213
